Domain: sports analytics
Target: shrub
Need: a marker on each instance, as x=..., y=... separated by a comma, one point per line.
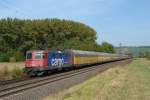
x=12, y=59
x=19, y=56
x=148, y=57
x=11, y=56
x=4, y=57
x=17, y=72
x=5, y=74
x=6, y=71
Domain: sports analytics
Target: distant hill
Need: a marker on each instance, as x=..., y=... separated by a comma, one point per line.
x=135, y=51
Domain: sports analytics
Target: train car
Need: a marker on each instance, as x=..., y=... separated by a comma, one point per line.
x=39, y=62
x=84, y=57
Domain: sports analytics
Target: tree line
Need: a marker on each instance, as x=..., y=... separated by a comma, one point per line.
x=17, y=36
x=145, y=54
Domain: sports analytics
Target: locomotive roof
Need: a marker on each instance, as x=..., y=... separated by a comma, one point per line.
x=36, y=50
x=93, y=53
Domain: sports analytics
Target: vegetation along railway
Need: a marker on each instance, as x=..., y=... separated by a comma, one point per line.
x=39, y=62
x=25, y=85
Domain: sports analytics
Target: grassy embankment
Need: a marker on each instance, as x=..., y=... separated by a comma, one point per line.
x=11, y=70
x=131, y=82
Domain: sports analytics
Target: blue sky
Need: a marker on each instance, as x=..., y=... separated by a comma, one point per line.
x=116, y=21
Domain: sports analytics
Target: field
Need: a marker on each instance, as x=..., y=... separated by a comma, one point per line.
x=11, y=70
x=11, y=65
x=131, y=82
x=134, y=50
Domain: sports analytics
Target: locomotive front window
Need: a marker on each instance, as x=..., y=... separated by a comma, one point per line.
x=29, y=55
x=38, y=56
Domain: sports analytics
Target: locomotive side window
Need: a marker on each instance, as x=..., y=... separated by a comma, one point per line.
x=38, y=55
x=29, y=56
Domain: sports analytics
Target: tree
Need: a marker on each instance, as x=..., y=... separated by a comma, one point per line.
x=107, y=47
x=22, y=35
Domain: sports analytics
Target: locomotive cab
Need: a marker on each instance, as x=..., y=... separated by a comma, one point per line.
x=36, y=61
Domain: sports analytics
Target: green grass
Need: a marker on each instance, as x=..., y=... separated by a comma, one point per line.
x=131, y=82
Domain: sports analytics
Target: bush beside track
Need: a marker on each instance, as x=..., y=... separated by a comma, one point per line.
x=10, y=71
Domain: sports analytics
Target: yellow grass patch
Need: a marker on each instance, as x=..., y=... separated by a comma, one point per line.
x=11, y=70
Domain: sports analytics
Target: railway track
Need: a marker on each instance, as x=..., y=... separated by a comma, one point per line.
x=16, y=87
x=6, y=82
